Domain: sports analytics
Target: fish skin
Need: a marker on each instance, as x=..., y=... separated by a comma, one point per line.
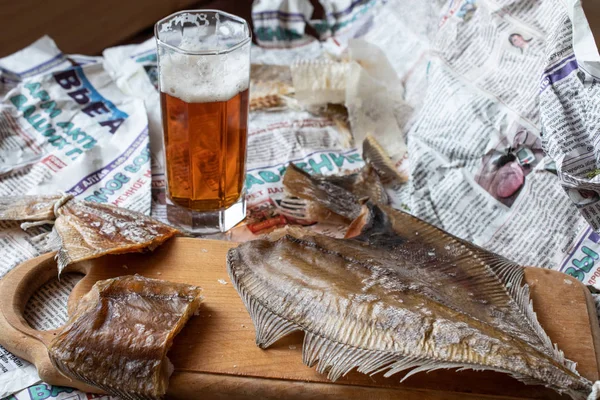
x=119, y=335
x=325, y=194
x=343, y=194
x=400, y=294
x=375, y=156
x=89, y=230
x=84, y=230
x=29, y=208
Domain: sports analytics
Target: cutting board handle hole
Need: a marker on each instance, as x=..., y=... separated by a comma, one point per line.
x=46, y=309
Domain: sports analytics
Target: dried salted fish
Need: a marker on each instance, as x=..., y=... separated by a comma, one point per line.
x=402, y=294
x=323, y=196
x=118, y=337
x=271, y=87
x=84, y=230
x=337, y=198
x=375, y=156
x=90, y=230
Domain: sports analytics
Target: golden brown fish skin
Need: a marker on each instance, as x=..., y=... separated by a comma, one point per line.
x=365, y=185
x=84, y=230
x=321, y=191
x=402, y=294
x=375, y=156
x=29, y=208
x=270, y=101
x=340, y=195
x=89, y=230
x=120, y=333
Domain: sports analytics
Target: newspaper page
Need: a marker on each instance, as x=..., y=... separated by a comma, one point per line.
x=500, y=137
x=65, y=125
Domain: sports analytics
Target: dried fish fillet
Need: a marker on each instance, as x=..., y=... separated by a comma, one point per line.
x=118, y=337
x=402, y=294
x=89, y=230
x=84, y=230
x=268, y=102
x=342, y=194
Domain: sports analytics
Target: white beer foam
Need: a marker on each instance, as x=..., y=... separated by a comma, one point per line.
x=205, y=78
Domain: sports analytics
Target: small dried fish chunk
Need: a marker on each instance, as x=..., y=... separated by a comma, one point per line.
x=271, y=87
x=337, y=198
x=325, y=196
x=402, y=294
x=120, y=333
x=375, y=156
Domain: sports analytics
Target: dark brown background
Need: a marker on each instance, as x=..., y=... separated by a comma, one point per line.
x=90, y=26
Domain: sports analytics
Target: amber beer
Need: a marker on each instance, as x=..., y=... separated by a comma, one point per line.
x=205, y=146
x=204, y=75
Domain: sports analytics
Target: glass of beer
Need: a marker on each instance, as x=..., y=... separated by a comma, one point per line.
x=204, y=74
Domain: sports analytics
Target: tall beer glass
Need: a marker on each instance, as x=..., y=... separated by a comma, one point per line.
x=204, y=73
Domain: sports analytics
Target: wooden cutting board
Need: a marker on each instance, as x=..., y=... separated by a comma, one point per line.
x=215, y=356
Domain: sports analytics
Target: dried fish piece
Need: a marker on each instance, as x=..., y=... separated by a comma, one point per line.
x=337, y=199
x=89, y=230
x=402, y=294
x=120, y=333
x=324, y=195
x=269, y=101
x=271, y=87
x=334, y=198
x=380, y=161
x=84, y=230
x=320, y=81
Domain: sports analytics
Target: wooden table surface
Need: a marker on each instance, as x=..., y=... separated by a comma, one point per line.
x=215, y=354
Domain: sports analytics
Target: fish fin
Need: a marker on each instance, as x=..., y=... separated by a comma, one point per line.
x=386, y=227
x=269, y=327
x=573, y=394
x=512, y=276
x=338, y=359
x=54, y=243
x=380, y=161
x=427, y=365
x=31, y=208
x=423, y=365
